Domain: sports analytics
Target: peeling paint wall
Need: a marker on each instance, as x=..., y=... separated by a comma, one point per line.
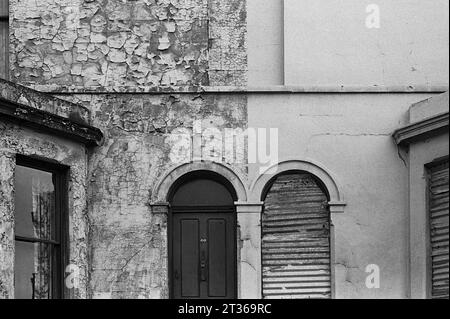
x=6, y=225
x=128, y=241
x=102, y=52
x=18, y=140
x=143, y=44
x=119, y=47
x=22, y=95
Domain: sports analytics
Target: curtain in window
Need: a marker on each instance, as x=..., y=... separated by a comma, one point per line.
x=43, y=208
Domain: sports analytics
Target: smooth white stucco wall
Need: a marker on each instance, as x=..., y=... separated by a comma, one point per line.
x=327, y=43
x=429, y=108
x=265, y=42
x=350, y=135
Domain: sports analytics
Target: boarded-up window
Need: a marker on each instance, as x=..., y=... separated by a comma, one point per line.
x=296, y=239
x=439, y=208
x=4, y=39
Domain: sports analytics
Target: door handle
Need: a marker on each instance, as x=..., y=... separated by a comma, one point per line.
x=203, y=266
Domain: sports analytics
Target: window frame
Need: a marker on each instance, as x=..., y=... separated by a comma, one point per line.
x=60, y=223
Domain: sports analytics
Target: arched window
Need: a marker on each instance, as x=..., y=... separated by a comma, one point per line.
x=296, y=238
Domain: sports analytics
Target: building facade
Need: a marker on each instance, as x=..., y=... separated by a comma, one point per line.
x=224, y=149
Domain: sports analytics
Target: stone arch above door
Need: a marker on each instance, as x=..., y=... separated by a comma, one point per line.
x=336, y=200
x=161, y=191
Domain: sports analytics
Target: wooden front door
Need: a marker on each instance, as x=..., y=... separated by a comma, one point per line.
x=202, y=238
x=203, y=255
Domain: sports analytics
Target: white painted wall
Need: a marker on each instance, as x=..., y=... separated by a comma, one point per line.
x=351, y=136
x=429, y=108
x=327, y=43
x=265, y=42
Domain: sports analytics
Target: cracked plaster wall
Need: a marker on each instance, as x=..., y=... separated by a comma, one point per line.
x=350, y=136
x=123, y=46
x=128, y=242
x=22, y=95
x=127, y=44
x=18, y=140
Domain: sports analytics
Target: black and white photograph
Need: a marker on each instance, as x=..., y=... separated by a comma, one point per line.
x=239, y=153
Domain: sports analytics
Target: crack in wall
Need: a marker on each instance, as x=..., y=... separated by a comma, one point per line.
x=91, y=44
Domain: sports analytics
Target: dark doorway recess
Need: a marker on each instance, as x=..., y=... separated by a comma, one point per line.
x=202, y=238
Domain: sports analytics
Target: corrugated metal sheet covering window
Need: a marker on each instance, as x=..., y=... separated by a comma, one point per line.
x=439, y=207
x=296, y=239
x=4, y=39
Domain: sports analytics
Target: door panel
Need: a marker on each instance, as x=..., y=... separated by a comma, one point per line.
x=217, y=254
x=203, y=255
x=190, y=252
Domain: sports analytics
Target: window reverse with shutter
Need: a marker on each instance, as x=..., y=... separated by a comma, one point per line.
x=438, y=213
x=296, y=239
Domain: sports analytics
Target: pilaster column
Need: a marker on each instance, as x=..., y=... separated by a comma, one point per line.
x=249, y=250
x=338, y=222
x=160, y=214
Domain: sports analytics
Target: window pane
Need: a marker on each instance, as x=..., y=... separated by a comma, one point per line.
x=35, y=203
x=32, y=277
x=4, y=48
x=4, y=8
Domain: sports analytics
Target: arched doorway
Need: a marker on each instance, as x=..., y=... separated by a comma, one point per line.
x=296, y=248
x=202, y=237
